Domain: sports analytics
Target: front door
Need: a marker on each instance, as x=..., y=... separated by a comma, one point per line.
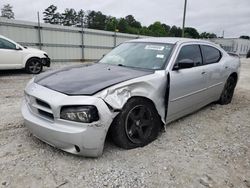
x=9, y=56
x=187, y=86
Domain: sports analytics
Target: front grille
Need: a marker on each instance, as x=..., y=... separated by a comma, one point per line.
x=42, y=103
x=46, y=114
x=41, y=108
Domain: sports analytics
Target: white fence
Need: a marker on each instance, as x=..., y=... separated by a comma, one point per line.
x=63, y=43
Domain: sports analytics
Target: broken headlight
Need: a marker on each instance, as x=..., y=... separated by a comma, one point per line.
x=84, y=114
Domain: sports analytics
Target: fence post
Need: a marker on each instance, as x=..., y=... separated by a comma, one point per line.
x=82, y=33
x=115, y=39
x=39, y=32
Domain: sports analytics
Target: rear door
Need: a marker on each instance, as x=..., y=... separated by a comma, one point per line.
x=187, y=86
x=9, y=56
x=215, y=70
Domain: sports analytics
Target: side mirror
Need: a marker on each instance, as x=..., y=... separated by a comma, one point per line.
x=18, y=47
x=184, y=64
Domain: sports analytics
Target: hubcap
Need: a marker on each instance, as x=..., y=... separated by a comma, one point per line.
x=139, y=124
x=35, y=66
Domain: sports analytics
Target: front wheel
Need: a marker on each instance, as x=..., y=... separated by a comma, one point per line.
x=34, y=66
x=228, y=91
x=137, y=125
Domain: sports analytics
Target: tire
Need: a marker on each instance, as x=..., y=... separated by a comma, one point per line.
x=228, y=91
x=137, y=124
x=34, y=66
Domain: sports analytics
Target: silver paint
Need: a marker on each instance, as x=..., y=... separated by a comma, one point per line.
x=190, y=89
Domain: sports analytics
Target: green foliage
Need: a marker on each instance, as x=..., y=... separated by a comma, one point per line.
x=69, y=17
x=80, y=18
x=175, y=31
x=206, y=35
x=123, y=25
x=158, y=29
x=190, y=32
x=96, y=20
x=132, y=22
x=111, y=24
x=51, y=16
x=128, y=24
x=7, y=12
x=245, y=37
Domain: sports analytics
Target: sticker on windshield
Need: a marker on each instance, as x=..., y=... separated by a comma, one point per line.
x=154, y=47
x=161, y=56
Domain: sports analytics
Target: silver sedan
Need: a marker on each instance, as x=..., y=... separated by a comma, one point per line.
x=132, y=92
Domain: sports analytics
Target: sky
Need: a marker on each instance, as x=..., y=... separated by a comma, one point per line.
x=232, y=16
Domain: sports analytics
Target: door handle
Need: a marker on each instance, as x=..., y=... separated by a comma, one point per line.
x=226, y=67
x=203, y=72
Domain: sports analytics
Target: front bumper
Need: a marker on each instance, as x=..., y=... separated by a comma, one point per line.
x=46, y=61
x=73, y=137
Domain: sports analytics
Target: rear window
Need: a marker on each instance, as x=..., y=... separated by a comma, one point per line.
x=210, y=54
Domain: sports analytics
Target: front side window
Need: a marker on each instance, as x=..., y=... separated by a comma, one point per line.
x=151, y=56
x=5, y=44
x=190, y=52
x=210, y=54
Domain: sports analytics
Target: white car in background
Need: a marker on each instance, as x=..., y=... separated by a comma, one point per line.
x=15, y=56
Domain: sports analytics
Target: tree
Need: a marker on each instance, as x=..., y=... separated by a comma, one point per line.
x=111, y=24
x=132, y=22
x=69, y=17
x=191, y=32
x=245, y=37
x=51, y=16
x=7, y=12
x=175, y=31
x=166, y=28
x=157, y=29
x=206, y=35
x=80, y=19
x=96, y=20
x=123, y=25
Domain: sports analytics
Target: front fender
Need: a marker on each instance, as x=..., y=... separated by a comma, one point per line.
x=36, y=55
x=152, y=87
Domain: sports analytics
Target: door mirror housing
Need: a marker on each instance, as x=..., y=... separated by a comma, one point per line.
x=18, y=47
x=184, y=64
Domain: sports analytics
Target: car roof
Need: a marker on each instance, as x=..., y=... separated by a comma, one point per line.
x=169, y=40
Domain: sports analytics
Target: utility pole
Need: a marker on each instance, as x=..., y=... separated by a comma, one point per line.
x=39, y=31
x=184, y=18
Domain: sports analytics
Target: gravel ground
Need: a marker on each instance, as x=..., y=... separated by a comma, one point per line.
x=210, y=148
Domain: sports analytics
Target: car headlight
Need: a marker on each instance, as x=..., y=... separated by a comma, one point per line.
x=84, y=114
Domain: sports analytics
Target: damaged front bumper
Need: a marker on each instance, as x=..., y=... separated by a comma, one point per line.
x=43, y=120
x=46, y=61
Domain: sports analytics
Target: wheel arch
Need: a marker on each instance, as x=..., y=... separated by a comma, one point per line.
x=29, y=57
x=146, y=99
x=234, y=75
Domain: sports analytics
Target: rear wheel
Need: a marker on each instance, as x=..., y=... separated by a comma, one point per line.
x=228, y=91
x=34, y=66
x=137, y=125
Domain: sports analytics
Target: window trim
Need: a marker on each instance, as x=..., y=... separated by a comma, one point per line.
x=203, y=54
x=176, y=58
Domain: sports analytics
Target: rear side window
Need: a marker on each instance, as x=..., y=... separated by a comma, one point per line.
x=190, y=52
x=4, y=44
x=210, y=54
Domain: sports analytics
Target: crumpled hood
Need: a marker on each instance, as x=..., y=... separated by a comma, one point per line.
x=87, y=79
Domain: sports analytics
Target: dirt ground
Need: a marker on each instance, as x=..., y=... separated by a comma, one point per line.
x=210, y=148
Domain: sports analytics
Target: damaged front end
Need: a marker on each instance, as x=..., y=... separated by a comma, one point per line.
x=152, y=87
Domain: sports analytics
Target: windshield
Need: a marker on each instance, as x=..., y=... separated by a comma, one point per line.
x=139, y=55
